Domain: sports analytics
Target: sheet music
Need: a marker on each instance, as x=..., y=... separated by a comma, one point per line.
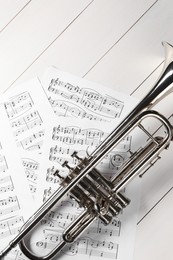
x=80, y=133
x=71, y=96
x=13, y=207
x=28, y=110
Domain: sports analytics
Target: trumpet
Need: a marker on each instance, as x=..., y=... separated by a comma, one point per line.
x=99, y=197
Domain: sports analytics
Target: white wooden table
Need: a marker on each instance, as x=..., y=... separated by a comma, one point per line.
x=115, y=43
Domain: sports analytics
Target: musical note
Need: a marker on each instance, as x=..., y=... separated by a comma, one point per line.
x=30, y=164
x=31, y=170
x=3, y=163
x=92, y=137
x=32, y=142
x=47, y=193
x=81, y=102
x=70, y=96
x=112, y=230
x=58, y=219
x=33, y=188
x=10, y=226
x=69, y=109
x=18, y=105
x=32, y=176
x=75, y=135
x=83, y=246
x=6, y=184
x=93, y=248
x=9, y=205
x=25, y=123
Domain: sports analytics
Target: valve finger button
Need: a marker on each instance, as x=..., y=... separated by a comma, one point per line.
x=74, y=155
x=65, y=164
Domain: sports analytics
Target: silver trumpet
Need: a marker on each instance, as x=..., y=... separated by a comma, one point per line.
x=102, y=198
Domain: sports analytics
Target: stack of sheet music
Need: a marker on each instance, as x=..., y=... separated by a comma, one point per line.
x=42, y=122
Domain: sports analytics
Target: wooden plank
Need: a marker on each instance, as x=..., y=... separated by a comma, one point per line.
x=154, y=234
x=156, y=183
x=137, y=54
x=99, y=27
x=32, y=32
x=9, y=9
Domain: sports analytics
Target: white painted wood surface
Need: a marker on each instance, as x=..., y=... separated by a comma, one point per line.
x=115, y=43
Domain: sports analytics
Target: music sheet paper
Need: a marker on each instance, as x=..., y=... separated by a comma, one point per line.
x=71, y=96
x=14, y=190
x=28, y=110
x=95, y=111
